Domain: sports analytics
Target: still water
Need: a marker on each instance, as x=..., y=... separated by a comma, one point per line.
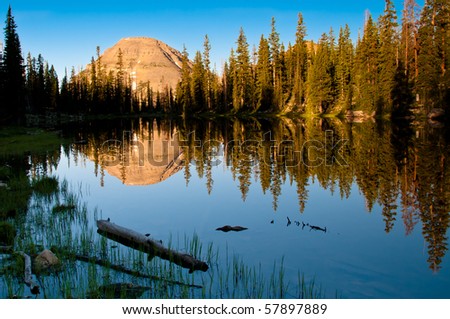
x=360, y=208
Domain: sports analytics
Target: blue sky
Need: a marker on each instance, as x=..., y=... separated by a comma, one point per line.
x=67, y=33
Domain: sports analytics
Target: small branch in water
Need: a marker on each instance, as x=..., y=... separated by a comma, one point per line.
x=318, y=228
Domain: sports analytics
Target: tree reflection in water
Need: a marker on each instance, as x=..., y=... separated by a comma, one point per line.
x=402, y=167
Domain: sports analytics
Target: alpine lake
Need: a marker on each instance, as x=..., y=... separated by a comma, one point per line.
x=276, y=208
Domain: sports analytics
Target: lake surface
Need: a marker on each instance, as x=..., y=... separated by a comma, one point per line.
x=361, y=209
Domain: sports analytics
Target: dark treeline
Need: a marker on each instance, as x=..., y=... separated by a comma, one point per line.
x=397, y=66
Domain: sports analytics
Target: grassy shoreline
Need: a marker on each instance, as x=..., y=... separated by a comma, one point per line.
x=95, y=267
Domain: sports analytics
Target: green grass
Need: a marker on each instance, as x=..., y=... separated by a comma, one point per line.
x=63, y=208
x=7, y=234
x=45, y=185
x=95, y=267
x=20, y=140
x=14, y=197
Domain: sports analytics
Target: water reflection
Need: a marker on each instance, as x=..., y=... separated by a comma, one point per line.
x=143, y=157
x=404, y=169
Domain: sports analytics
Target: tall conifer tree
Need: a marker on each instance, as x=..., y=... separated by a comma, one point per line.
x=209, y=76
x=243, y=83
x=366, y=69
x=13, y=86
x=344, y=67
x=433, y=81
x=275, y=55
x=184, y=87
x=264, y=84
x=409, y=48
x=198, y=83
x=388, y=56
x=321, y=77
x=300, y=65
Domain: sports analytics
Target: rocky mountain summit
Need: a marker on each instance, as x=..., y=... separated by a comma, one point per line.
x=146, y=60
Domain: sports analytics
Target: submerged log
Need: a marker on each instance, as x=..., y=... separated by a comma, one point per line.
x=134, y=273
x=28, y=279
x=135, y=240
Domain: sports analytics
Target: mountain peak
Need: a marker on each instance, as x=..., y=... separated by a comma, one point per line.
x=146, y=60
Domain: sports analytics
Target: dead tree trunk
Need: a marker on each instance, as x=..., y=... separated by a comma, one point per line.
x=28, y=279
x=135, y=240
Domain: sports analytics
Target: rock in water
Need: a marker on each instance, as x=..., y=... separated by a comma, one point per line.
x=45, y=261
x=228, y=228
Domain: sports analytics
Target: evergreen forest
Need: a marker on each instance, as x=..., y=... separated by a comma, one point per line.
x=398, y=68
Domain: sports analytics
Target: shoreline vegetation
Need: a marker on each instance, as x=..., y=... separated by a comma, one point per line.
x=41, y=215
x=88, y=265
x=396, y=69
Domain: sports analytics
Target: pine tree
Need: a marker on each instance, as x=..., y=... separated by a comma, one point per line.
x=321, y=77
x=429, y=61
x=197, y=84
x=208, y=76
x=229, y=80
x=388, y=56
x=283, y=84
x=51, y=88
x=149, y=103
x=409, y=39
x=274, y=45
x=243, y=84
x=300, y=65
x=344, y=68
x=30, y=81
x=120, y=83
x=64, y=97
x=13, y=87
x=433, y=82
x=366, y=69
x=39, y=106
x=264, y=84
x=94, y=85
x=184, y=99
x=41, y=86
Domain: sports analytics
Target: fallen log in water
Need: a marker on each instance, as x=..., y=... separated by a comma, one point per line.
x=135, y=240
x=34, y=288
